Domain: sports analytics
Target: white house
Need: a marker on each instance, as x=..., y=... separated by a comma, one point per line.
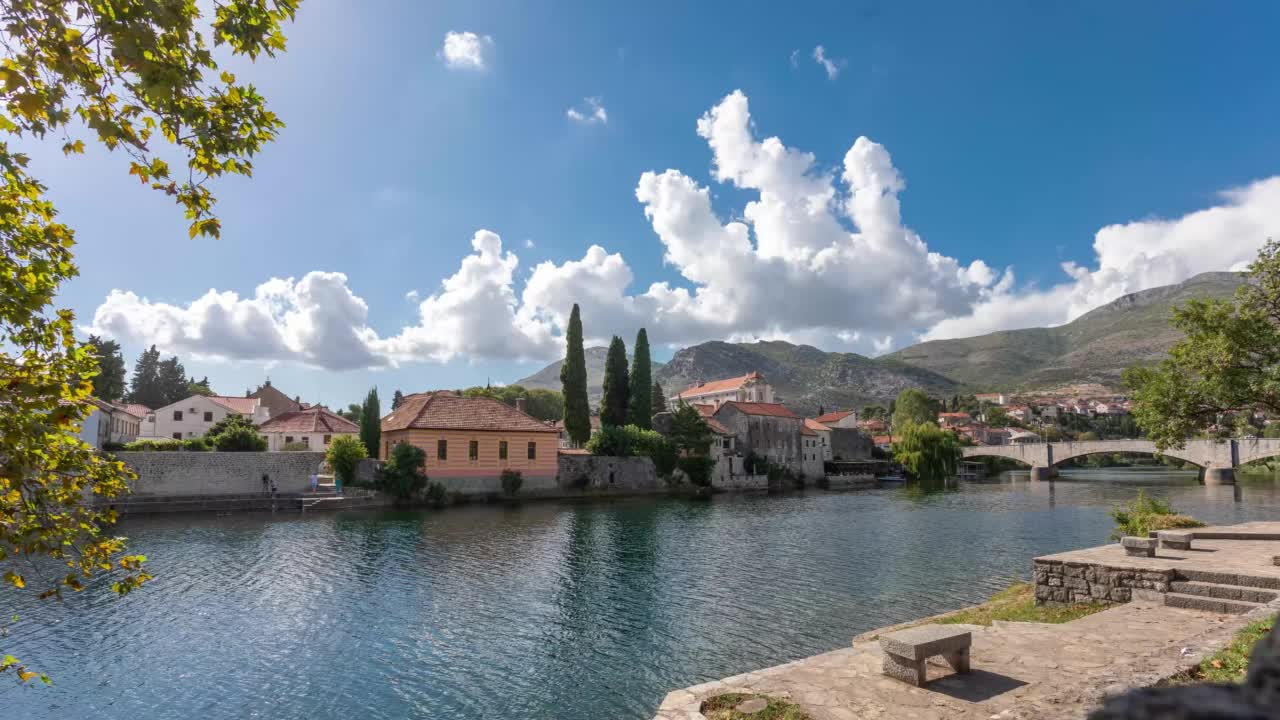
x=839, y=419
x=108, y=423
x=192, y=417
x=751, y=387
x=823, y=433
x=314, y=427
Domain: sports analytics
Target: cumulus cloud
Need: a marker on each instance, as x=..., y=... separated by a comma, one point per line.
x=590, y=112
x=466, y=50
x=817, y=255
x=831, y=65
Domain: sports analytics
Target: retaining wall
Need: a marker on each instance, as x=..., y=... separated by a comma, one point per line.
x=204, y=474
x=1077, y=583
x=621, y=475
x=739, y=483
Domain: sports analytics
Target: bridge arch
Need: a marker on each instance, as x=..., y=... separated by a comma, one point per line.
x=1063, y=451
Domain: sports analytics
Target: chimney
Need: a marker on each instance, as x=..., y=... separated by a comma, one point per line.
x=520, y=404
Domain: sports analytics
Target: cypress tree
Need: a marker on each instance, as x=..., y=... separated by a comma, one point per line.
x=108, y=384
x=617, y=385
x=573, y=381
x=371, y=423
x=144, y=387
x=640, y=413
x=658, y=399
x=397, y=399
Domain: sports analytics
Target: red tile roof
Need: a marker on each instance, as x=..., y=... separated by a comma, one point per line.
x=716, y=386
x=954, y=415
x=833, y=417
x=717, y=427
x=447, y=411
x=804, y=430
x=816, y=426
x=317, y=419
x=705, y=409
x=769, y=409
x=242, y=405
x=136, y=409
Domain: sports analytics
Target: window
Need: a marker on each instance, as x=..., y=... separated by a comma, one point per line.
x=306, y=441
x=327, y=438
x=208, y=416
x=177, y=415
x=442, y=449
x=502, y=449
x=473, y=450
x=533, y=450
x=177, y=436
x=288, y=439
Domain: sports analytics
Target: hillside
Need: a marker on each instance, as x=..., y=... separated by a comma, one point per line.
x=804, y=377
x=549, y=376
x=1094, y=348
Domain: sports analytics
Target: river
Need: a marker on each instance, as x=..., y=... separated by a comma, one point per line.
x=579, y=611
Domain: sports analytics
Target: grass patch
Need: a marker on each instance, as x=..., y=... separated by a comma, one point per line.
x=721, y=707
x=1231, y=663
x=1145, y=515
x=1017, y=603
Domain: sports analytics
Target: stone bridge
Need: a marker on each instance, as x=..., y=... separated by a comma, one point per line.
x=1218, y=458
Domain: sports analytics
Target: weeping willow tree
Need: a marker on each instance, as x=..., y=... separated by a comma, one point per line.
x=929, y=454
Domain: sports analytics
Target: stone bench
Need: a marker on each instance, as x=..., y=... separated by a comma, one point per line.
x=1175, y=539
x=906, y=651
x=1139, y=546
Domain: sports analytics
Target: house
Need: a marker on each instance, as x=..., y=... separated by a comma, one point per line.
x=839, y=418
x=192, y=417
x=472, y=439
x=874, y=426
x=883, y=442
x=108, y=423
x=314, y=428
x=1021, y=413
x=276, y=402
x=950, y=420
x=823, y=433
x=565, y=441
x=993, y=398
x=750, y=388
x=811, y=461
x=770, y=431
x=1022, y=437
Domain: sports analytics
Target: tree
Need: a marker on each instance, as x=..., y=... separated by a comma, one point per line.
x=139, y=78
x=108, y=384
x=344, y=454
x=617, y=385
x=172, y=378
x=997, y=416
x=573, y=381
x=929, y=454
x=547, y=405
x=235, y=433
x=352, y=412
x=144, y=388
x=403, y=475
x=397, y=399
x=371, y=423
x=913, y=407
x=1227, y=362
x=199, y=388
x=659, y=399
x=873, y=412
x=689, y=430
x=640, y=412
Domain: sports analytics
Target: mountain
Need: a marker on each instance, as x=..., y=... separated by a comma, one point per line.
x=1095, y=348
x=803, y=377
x=549, y=377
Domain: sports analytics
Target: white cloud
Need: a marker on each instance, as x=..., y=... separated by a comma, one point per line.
x=817, y=256
x=412, y=296
x=466, y=50
x=528, y=243
x=590, y=112
x=831, y=65
x=795, y=59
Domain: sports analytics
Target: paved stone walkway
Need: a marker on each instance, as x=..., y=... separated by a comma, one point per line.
x=1020, y=670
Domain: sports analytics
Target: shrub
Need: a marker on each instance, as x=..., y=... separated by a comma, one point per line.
x=344, y=453
x=196, y=444
x=403, y=475
x=511, y=481
x=1147, y=514
x=437, y=495
x=295, y=447
x=633, y=441
x=149, y=445
x=698, y=468
x=239, y=439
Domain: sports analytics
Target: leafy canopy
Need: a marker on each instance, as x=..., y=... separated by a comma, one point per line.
x=344, y=454
x=139, y=77
x=929, y=454
x=913, y=407
x=403, y=475
x=1228, y=362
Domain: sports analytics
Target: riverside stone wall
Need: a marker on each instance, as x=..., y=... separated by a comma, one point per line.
x=187, y=474
x=624, y=475
x=1060, y=582
x=739, y=483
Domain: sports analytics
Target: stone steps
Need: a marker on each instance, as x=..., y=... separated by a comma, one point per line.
x=1209, y=604
x=1223, y=592
x=1222, y=578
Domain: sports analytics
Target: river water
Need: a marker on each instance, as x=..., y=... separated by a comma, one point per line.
x=544, y=610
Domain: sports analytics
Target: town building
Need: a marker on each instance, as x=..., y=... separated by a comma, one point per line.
x=771, y=432
x=839, y=418
x=312, y=428
x=192, y=417
x=276, y=402
x=992, y=398
x=471, y=437
x=823, y=433
x=951, y=420
x=751, y=388
x=109, y=424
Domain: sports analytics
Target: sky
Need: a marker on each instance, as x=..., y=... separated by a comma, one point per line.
x=857, y=176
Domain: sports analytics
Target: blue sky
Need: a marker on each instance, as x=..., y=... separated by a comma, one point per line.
x=1011, y=134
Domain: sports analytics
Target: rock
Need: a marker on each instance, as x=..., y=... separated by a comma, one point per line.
x=752, y=706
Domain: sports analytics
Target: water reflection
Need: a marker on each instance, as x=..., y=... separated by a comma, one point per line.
x=561, y=610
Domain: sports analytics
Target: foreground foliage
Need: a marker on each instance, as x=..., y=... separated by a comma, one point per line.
x=721, y=707
x=403, y=476
x=130, y=74
x=1144, y=515
x=344, y=454
x=1231, y=664
x=1227, y=365
x=1017, y=603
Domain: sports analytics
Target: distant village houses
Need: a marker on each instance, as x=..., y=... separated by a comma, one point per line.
x=751, y=387
x=311, y=428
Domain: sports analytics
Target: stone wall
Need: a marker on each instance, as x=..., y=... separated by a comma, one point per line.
x=180, y=474
x=1060, y=582
x=850, y=482
x=739, y=483
x=850, y=444
x=588, y=473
